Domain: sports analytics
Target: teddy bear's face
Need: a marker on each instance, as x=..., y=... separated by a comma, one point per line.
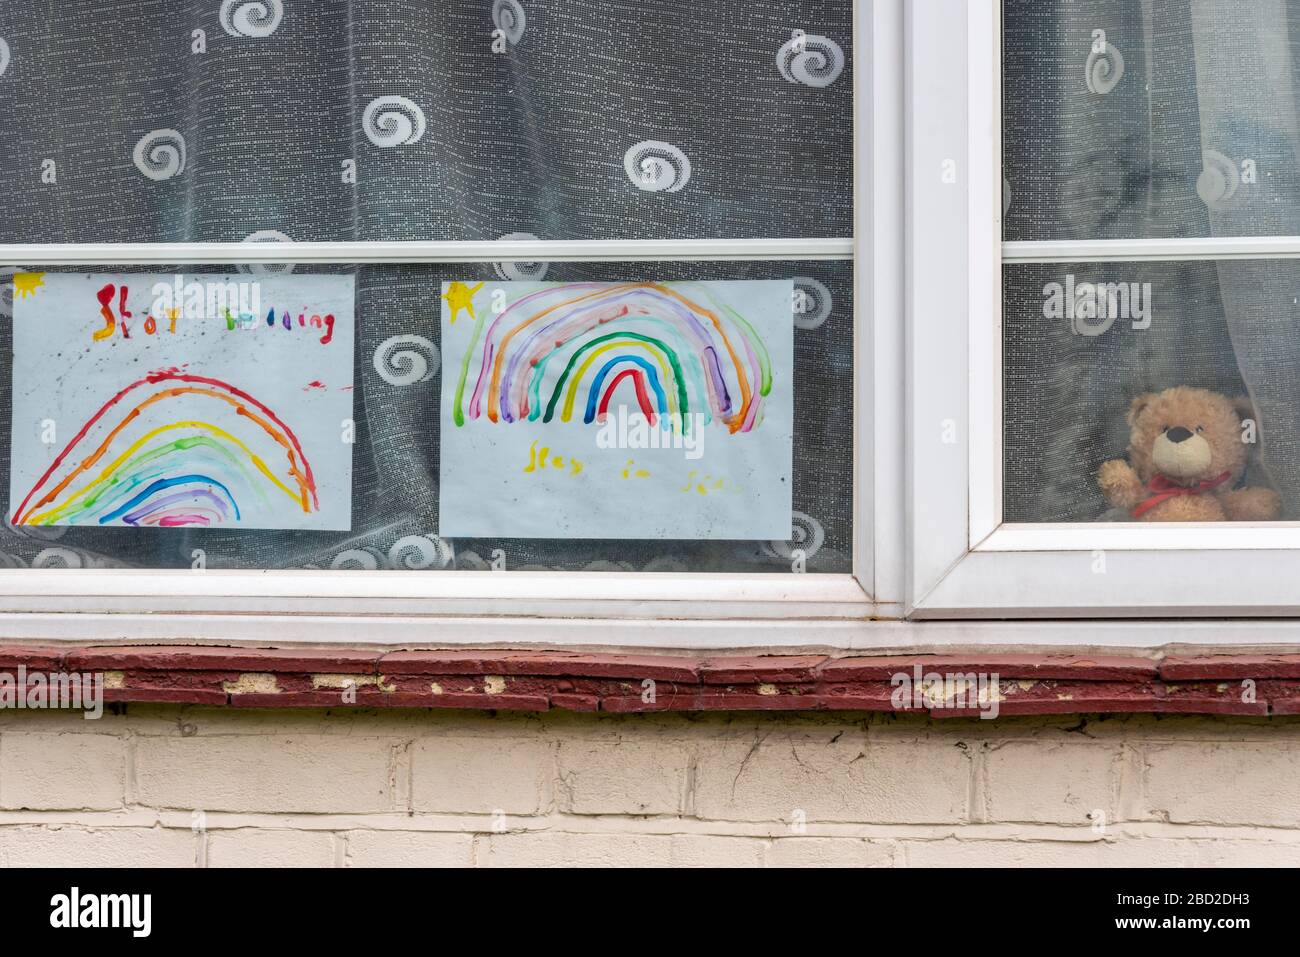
x=1187, y=435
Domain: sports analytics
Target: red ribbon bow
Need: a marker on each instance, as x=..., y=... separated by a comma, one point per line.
x=1163, y=489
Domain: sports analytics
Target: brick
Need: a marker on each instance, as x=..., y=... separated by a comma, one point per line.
x=1090, y=667
x=1216, y=667
x=116, y=847
x=1230, y=783
x=1114, y=697
x=166, y=695
x=258, y=847
x=35, y=657
x=631, y=774
x=301, y=699
x=831, y=774
x=829, y=852
x=61, y=771
x=856, y=702
x=761, y=668
x=1051, y=783
x=482, y=775
x=713, y=700
x=264, y=772
x=634, y=704
x=634, y=667
x=638, y=667
x=1076, y=701
x=408, y=849
x=371, y=698
x=1086, y=702
x=1229, y=703
x=1282, y=694
x=1051, y=696
x=575, y=702
x=206, y=658
x=454, y=662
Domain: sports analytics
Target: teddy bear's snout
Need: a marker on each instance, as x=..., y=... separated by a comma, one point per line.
x=1181, y=453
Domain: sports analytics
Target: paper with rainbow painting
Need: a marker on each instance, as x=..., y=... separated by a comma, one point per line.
x=617, y=410
x=195, y=401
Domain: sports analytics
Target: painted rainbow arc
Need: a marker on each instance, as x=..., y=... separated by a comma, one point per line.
x=682, y=354
x=155, y=468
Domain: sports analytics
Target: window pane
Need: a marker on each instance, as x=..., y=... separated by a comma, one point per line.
x=1166, y=118
x=345, y=120
x=1090, y=354
x=566, y=416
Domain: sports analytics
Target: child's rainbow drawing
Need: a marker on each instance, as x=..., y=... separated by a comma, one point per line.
x=591, y=326
x=236, y=426
x=186, y=472
x=617, y=409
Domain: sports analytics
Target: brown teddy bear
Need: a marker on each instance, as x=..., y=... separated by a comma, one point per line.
x=1185, y=456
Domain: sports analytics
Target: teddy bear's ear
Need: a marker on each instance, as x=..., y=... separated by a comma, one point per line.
x=1245, y=408
x=1138, y=404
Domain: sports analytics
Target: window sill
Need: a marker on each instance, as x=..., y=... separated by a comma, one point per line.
x=1029, y=684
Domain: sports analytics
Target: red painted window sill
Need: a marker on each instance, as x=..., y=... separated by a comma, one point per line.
x=578, y=681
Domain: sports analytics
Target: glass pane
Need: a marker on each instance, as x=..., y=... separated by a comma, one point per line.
x=568, y=416
x=1165, y=118
x=1151, y=391
x=345, y=120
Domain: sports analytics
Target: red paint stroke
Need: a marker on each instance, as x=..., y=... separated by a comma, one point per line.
x=642, y=397
x=105, y=297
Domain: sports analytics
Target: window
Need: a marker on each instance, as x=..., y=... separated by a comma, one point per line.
x=1001, y=228
x=1104, y=194
x=283, y=147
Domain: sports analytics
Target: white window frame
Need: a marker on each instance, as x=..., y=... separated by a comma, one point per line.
x=665, y=610
x=964, y=561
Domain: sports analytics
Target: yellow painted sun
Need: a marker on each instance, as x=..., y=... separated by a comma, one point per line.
x=460, y=296
x=26, y=283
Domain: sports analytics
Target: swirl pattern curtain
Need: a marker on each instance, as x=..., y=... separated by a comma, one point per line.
x=346, y=120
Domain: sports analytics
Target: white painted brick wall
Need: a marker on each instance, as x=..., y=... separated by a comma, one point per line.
x=56, y=771
x=221, y=787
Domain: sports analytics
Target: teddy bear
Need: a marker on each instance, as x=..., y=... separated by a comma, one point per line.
x=1187, y=452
